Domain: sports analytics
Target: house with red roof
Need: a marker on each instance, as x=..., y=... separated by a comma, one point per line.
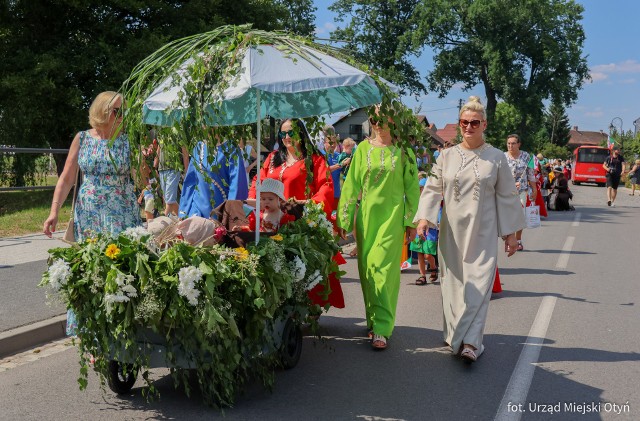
x=586, y=138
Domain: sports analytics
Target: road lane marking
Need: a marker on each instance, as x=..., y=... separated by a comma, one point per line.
x=513, y=402
x=563, y=259
x=576, y=220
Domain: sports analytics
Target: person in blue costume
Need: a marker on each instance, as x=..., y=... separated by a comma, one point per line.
x=210, y=180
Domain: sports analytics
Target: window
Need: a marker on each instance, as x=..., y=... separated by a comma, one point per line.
x=355, y=132
x=592, y=155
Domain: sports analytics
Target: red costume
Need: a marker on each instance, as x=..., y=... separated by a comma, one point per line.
x=539, y=199
x=265, y=226
x=294, y=178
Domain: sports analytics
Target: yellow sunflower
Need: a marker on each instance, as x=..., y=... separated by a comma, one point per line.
x=112, y=251
x=276, y=237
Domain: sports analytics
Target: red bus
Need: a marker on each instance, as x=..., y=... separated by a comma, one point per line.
x=587, y=165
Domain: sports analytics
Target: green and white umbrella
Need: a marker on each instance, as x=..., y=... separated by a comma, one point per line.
x=271, y=82
x=236, y=76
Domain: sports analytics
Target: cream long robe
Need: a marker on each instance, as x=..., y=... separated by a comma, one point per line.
x=480, y=205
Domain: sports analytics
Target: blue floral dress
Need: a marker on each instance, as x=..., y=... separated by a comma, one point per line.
x=106, y=200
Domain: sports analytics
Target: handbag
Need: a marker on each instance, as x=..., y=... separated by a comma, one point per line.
x=532, y=216
x=69, y=235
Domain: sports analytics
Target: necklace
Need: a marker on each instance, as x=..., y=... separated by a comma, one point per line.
x=463, y=158
x=203, y=171
x=283, y=167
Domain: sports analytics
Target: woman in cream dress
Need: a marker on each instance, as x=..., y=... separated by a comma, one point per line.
x=480, y=205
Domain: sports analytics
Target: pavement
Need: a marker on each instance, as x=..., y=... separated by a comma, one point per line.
x=29, y=317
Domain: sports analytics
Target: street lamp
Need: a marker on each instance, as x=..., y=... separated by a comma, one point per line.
x=611, y=127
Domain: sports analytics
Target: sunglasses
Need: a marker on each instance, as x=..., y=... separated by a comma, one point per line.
x=282, y=134
x=474, y=123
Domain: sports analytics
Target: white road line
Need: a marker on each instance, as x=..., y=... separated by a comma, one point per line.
x=513, y=402
x=563, y=259
x=576, y=220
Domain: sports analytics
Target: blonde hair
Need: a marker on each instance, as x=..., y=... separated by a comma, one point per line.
x=348, y=142
x=474, y=105
x=101, y=107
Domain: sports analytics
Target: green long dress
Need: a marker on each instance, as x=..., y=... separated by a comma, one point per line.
x=387, y=178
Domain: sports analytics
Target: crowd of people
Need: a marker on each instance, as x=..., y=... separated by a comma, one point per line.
x=374, y=189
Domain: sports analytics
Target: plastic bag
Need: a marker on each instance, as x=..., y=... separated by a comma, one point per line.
x=532, y=216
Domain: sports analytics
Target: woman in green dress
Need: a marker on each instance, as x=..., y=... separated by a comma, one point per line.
x=387, y=176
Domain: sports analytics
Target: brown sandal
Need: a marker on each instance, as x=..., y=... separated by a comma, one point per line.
x=422, y=280
x=434, y=274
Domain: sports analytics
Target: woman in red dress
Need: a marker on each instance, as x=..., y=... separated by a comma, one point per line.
x=305, y=176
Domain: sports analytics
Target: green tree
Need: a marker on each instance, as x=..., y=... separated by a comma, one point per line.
x=299, y=17
x=372, y=31
x=504, y=123
x=521, y=51
x=549, y=150
x=557, y=125
x=58, y=55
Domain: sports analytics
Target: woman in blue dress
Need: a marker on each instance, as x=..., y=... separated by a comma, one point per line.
x=210, y=180
x=106, y=200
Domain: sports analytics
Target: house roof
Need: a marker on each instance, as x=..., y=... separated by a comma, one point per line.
x=580, y=137
x=449, y=132
x=432, y=132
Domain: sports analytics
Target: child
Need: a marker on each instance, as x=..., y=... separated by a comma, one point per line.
x=344, y=159
x=149, y=201
x=272, y=217
x=426, y=249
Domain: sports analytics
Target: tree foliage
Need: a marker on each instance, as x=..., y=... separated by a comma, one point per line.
x=521, y=51
x=372, y=31
x=556, y=125
x=58, y=55
x=299, y=17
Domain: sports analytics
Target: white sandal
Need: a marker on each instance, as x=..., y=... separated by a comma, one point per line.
x=378, y=341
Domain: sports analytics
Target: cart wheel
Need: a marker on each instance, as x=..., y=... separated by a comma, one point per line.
x=121, y=377
x=291, y=347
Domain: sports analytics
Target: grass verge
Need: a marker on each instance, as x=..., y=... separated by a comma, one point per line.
x=24, y=212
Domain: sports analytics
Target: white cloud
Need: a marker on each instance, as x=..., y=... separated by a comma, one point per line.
x=628, y=66
x=594, y=114
x=326, y=28
x=598, y=76
x=630, y=81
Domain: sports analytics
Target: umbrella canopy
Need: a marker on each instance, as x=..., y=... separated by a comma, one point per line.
x=290, y=86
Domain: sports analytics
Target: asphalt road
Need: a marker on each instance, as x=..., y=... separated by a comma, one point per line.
x=563, y=333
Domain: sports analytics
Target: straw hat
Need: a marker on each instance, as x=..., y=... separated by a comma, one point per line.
x=271, y=185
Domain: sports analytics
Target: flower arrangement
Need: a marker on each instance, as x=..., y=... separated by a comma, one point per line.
x=215, y=304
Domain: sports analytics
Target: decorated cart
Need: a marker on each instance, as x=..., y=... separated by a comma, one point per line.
x=229, y=310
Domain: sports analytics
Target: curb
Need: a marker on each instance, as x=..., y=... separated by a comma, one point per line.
x=29, y=336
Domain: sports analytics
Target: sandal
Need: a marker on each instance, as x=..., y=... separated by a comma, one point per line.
x=434, y=274
x=520, y=247
x=379, y=341
x=422, y=280
x=469, y=355
x=354, y=252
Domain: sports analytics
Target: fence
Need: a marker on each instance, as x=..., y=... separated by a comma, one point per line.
x=13, y=151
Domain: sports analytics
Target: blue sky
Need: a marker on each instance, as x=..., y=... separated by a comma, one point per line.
x=612, y=47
